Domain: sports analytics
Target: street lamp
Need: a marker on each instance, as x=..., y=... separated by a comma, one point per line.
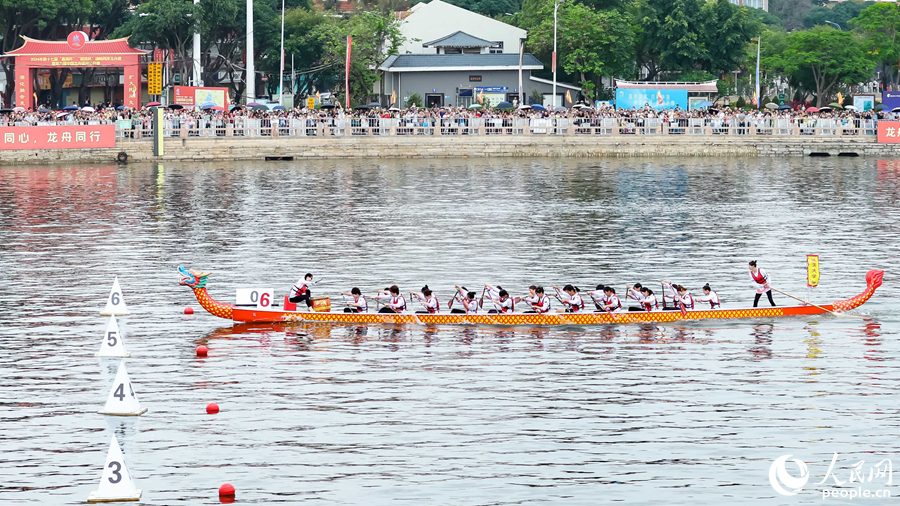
x=555, y=10
x=758, y=98
x=835, y=24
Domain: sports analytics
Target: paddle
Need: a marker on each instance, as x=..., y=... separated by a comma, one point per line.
x=820, y=307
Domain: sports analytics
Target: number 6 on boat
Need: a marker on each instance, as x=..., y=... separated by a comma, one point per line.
x=121, y=400
x=115, y=483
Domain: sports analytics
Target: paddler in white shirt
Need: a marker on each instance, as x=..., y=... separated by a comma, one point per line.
x=610, y=300
x=469, y=302
x=396, y=304
x=540, y=303
x=761, y=282
x=570, y=299
x=504, y=304
x=358, y=304
x=597, y=296
x=428, y=300
x=709, y=296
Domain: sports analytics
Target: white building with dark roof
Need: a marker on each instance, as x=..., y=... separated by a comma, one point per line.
x=431, y=22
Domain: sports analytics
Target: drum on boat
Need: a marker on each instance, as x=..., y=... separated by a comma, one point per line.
x=321, y=304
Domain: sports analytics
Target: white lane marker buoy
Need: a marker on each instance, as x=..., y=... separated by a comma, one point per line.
x=113, y=344
x=115, y=482
x=115, y=303
x=121, y=400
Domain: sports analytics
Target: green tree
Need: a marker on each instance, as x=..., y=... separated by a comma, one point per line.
x=726, y=28
x=880, y=25
x=40, y=19
x=591, y=43
x=489, y=7
x=166, y=24
x=831, y=57
x=841, y=14
x=790, y=12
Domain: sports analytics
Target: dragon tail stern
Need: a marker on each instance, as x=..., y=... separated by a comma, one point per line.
x=873, y=281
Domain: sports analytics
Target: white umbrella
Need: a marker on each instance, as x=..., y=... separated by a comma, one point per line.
x=850, y=107
x=18, y=109
x=524, y=106
x=88, y=109
x=61, y=114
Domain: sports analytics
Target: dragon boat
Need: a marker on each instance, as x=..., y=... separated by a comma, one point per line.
x=197, y=282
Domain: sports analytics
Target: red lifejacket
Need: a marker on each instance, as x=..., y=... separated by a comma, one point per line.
x=758, y=277
x=691, y=306
x=512, y=303
x=436, y=308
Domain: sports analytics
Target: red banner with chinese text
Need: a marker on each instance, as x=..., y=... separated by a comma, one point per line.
x=58, y=137
x=888, y=132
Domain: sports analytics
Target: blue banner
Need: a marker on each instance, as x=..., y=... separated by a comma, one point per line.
x=628, y=98
x=890, y=99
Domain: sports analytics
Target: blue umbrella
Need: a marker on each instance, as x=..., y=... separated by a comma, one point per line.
x=785, y=108
x=207, y=105
x=121, y=107
x=504, y=105
x=705, y=103
x=538, y=107
x=70, y=108
x=278, y=108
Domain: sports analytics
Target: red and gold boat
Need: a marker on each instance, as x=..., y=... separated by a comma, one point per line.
x=197, y=282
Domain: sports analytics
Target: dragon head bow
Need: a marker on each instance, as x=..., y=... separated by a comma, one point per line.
x=192, y=278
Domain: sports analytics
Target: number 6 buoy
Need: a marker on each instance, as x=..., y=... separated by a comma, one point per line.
x=115, y=303
x=115, y=482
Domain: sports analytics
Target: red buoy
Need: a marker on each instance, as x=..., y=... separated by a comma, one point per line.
x=212, y=409
x=226, y=491
x=189, y=310
x=202, y=351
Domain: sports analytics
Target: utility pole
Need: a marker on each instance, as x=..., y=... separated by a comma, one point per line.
x=197, y=81
x=250, y=71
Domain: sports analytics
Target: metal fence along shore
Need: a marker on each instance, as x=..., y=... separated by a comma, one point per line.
x=351, y=127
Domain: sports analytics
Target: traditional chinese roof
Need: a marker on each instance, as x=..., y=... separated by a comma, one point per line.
x=704, y=87
x=34, y=47
x=459, y=39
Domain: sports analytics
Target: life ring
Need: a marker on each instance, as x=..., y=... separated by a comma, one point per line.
x=122, y=157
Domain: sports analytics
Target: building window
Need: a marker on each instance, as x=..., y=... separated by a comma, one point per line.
x=496, y=47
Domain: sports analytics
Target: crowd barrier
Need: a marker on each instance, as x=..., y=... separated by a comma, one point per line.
x=349, y=127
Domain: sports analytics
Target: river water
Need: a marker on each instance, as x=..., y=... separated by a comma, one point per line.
x=658, y=414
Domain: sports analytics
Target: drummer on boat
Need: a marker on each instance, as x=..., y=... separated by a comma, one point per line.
x=469, y=302
x=427, y=299
x=300, y=291
x=761, y=282
x=358, y=304
x=396, y=303
x=570, y=299
x=709, y=296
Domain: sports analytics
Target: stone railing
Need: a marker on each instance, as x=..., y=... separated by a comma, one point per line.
x=351, y=127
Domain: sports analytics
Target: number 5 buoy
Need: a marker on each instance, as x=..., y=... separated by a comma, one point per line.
x=113, y=344
x=115, y=303
x=121, y=400
x=115, y=482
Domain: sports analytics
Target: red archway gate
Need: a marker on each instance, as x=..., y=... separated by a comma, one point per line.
x=76, y=52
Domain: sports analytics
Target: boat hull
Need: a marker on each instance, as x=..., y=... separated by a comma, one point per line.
x=269, y=316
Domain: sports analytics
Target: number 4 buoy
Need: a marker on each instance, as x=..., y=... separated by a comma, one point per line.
x=113, y=344
x=115, y=303
x=121, y=400
x=115, y=483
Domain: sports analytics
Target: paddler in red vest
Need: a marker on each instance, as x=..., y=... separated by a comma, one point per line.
x=570, y=299
x=469, y=302
x=685, y=299
x=396, y=304
x=761, y=282
x=300, y=291
x=358, y=304
x=428, y=301
x=710, y=296
x=504, y=303
x=540, y=303
x=648, y=300
x=610, y=301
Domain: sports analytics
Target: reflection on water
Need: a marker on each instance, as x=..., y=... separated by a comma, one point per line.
x=345, y=414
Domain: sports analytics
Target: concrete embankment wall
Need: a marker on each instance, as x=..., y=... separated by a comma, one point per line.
x=260, y=148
